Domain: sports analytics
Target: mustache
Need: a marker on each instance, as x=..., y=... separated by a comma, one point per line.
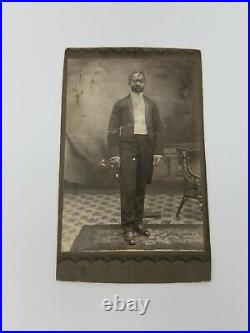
x=137, y=88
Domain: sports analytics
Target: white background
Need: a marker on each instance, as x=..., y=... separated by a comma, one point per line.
x=35, y=37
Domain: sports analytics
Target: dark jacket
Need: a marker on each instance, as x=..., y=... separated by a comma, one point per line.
x=121, y=125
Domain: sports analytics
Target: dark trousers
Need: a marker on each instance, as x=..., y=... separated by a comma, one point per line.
x=136, y=163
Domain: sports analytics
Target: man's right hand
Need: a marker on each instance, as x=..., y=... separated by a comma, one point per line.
x=115, y=161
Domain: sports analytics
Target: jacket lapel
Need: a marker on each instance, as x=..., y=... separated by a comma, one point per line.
x=130, y=109
x=147, y=111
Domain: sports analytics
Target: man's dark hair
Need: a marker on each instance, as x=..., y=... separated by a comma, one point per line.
x=136, y=72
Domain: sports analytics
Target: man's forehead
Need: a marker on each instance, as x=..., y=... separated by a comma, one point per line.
x=137, y=76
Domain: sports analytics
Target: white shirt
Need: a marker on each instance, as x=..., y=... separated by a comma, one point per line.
x=138, y=103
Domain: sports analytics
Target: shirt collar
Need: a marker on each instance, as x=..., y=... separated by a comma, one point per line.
x=135, y=95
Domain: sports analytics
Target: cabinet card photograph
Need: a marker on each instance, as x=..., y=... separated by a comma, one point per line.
x=132, y=188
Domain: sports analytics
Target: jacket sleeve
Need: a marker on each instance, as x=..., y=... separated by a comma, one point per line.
x=114, y=132
x=158, y=131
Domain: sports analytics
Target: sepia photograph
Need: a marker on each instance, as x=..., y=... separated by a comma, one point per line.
x=125, y=197
x=132, y=168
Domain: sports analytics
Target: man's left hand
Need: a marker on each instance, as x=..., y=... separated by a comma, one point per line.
x=157, y=160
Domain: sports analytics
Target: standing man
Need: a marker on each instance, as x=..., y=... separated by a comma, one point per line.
x=135, y=145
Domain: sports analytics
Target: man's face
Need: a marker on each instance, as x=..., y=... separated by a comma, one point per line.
x=137, y=83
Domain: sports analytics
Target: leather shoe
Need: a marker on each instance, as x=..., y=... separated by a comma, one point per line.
x=142, y=230
x=129, y=238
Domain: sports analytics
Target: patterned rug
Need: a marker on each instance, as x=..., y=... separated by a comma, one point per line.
x=162, y=237
x=102, y=207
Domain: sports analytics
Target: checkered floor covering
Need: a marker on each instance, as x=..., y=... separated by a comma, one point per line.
x=91, y=207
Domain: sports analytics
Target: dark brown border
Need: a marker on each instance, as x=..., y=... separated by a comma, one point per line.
x=133, y=267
